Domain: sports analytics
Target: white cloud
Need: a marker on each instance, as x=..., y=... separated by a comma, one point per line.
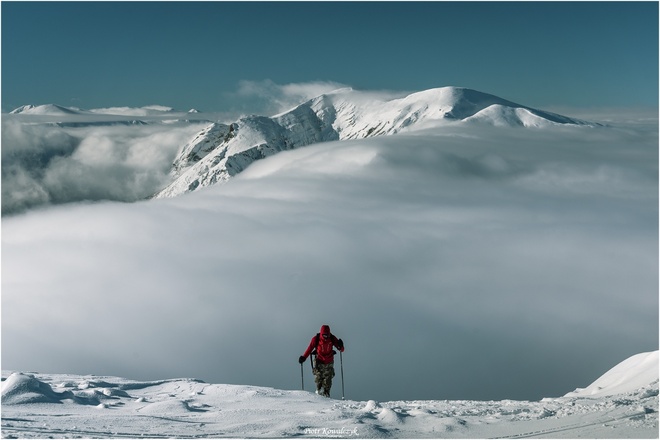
x=86, y=159
x=442, y=260
x=269, y=98
x=48, y=164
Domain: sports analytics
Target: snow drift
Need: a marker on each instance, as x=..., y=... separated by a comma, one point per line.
x=635, y=372
x=40, y=405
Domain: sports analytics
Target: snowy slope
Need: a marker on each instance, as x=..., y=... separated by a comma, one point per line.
x=68, y=406
x=341, y=115
x=635, y=372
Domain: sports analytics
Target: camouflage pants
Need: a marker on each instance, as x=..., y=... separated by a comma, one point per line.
x=323, y=374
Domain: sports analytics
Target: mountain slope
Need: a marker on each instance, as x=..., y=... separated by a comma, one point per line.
x=341, y=115
x=635, y=372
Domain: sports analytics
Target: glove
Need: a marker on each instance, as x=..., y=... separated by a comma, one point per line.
x=301, y=359
x=340, y=345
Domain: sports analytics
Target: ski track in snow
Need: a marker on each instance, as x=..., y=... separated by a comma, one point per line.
x=70, y=406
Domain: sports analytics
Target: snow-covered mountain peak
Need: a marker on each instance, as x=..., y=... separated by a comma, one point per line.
x=59, y=110
x=45, y=109
x=454, y=102
x=340, y=115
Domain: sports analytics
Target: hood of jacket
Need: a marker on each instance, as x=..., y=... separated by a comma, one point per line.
x=325, y=329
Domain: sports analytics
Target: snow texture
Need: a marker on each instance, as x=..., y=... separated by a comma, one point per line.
x=68, y=406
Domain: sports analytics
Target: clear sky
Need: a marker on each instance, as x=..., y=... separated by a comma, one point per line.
x=195, y=54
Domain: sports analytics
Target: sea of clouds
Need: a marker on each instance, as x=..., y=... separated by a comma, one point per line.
x=456, y=263
x=120, y=153
x=46, y=164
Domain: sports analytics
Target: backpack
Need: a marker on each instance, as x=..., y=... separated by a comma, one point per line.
x=317, y=339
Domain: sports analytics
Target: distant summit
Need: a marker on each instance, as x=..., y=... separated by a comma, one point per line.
x=46, y=109
x=221, y=151
x=58, y=110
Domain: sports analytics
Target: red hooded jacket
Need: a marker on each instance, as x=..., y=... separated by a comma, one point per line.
x=323, y=345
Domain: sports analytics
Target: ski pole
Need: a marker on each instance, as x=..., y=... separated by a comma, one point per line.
x=341, y=363
x=302, y=377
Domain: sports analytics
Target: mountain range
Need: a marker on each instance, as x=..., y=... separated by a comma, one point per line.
x=73, y=117
x=55, y=110
x=221, y=151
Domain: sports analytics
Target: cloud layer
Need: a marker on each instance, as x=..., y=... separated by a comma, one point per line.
x=51, y=165
x=482, y=264
x=274, y=98
x=103, y=156
x=269, y=98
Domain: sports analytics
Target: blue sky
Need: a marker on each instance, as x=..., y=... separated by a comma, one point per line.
x=188, y=54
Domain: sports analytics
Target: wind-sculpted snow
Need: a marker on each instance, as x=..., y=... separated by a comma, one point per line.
x=635, y=372
x=67, y=406
x=342, y=115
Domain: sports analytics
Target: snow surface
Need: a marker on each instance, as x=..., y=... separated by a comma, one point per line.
x=71, y=406
x=635, y=372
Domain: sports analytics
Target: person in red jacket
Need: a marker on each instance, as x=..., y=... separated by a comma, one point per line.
x=322, y=346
